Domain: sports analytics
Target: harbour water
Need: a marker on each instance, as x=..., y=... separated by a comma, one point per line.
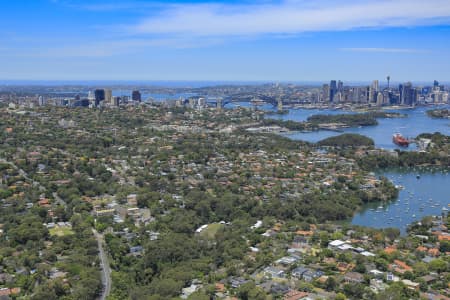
x=425, y=192
x=415, y=123
x=424, y=196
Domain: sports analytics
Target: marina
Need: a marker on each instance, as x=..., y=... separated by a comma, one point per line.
x=419, y=198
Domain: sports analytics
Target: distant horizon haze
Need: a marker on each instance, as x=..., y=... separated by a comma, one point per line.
x=203, y=83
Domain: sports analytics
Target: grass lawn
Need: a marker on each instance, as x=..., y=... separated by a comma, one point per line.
x=211, y=230
x=60, y=231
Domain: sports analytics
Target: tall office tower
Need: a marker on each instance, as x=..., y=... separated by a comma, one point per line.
x=388, y=80
x=425, y=90
x=108, y=96
x=325, y=93
x=115, y=101
x=375, y=86
x=340, y=86
x=436, y=84
x=41, y=101
x=445, y=98
x=394, y=98
x=338, y=97
x=333, y=90
x=99, y=95
x=91, y=96
x=371, y=94
x=380, y=99
x=136, y=96
x=401, y=90
x=414, y=96
x=201, y=102
x=356, y=95
x=408, y=94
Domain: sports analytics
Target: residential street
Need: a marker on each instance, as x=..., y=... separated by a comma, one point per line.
x=106, y=271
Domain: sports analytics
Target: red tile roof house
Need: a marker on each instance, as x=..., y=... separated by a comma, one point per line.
x=295, y=295
x=400, y=267
x=7, y=291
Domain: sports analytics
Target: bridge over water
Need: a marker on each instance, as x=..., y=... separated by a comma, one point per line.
x=244, y=97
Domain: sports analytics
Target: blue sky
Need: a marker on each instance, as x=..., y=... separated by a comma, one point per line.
x=284, y=40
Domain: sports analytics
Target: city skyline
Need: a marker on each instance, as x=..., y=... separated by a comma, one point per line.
x=228, y=41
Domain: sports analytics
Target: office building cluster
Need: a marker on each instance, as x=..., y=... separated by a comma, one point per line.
x=333, y=94
x=404, y=94
x=105, y=98
x=95, y=98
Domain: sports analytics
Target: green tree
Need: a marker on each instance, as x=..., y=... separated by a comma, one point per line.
x=444, y=246
x=249, y=291
x=330, y=284
x=165, y=287
x=439, y=265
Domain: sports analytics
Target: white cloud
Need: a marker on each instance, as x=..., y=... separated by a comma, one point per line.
x=291, y=17
x=205, y=24
x=384, y=50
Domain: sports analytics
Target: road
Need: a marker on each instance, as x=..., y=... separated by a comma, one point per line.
x=34, y=183
x=106, y=270
x=59, y=200
x=23, y=174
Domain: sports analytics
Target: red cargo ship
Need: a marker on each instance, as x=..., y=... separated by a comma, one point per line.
x=398, y=139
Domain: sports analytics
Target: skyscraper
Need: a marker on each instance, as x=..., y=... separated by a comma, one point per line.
x=408, y=94
x=380, y=99
x=115, y=101
x=436, y=84
x=41, y=101
x=136, y=96
x=340, y=86
x=108, y=96
x=325, y=93
x=375, y=86
x=99, y=95
x=356, y=94
x=333, y=90
x=367, y=94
